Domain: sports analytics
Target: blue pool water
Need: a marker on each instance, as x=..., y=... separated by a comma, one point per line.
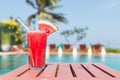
x=9, y=62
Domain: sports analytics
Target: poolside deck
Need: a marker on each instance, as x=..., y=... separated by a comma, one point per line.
x=64, y=71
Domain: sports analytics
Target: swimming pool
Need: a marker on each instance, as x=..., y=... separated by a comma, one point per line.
x=10, y=62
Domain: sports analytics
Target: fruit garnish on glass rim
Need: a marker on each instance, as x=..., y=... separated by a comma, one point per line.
x=47, y=26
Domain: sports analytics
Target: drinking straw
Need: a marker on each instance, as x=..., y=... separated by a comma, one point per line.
x=19, y=20
x=32, y=60
x=34, y=23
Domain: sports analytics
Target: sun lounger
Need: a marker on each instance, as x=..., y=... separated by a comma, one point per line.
x=18, y=48
x=67, y=49
x=53, y=49
x=82, y=49
x=96, y=49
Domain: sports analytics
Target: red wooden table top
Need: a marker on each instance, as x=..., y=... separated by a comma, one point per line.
x=64, y=71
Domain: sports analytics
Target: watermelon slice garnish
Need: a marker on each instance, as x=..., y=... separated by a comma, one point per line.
x=48, y=27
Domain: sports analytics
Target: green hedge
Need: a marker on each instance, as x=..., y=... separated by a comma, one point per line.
x=112, y=50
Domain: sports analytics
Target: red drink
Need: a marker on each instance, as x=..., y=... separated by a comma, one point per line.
x=37, y=47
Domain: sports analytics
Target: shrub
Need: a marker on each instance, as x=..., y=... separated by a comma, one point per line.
x=12, y=27
x=112, y=50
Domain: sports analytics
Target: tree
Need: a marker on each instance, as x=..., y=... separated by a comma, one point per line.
x=76, y=33
x=43, y=8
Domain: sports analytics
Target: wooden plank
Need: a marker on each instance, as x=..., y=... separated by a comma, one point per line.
x=49, y=72
x=64, y=71
x=30, y=74
x=96, y=72
x=80, y=71
x=108, y=69
x=99, y=79
x=62, y=78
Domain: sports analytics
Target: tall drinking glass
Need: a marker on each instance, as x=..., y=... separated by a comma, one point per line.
x=37, y=47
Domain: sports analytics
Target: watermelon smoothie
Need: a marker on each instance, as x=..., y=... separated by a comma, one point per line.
x=37, y=47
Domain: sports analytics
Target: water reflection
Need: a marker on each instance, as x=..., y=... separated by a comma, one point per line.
x=10, y=62
x=74, y=53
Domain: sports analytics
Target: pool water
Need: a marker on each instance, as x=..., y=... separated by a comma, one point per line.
x=10, y=62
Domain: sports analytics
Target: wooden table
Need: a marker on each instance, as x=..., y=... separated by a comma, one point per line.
x=64, y=71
